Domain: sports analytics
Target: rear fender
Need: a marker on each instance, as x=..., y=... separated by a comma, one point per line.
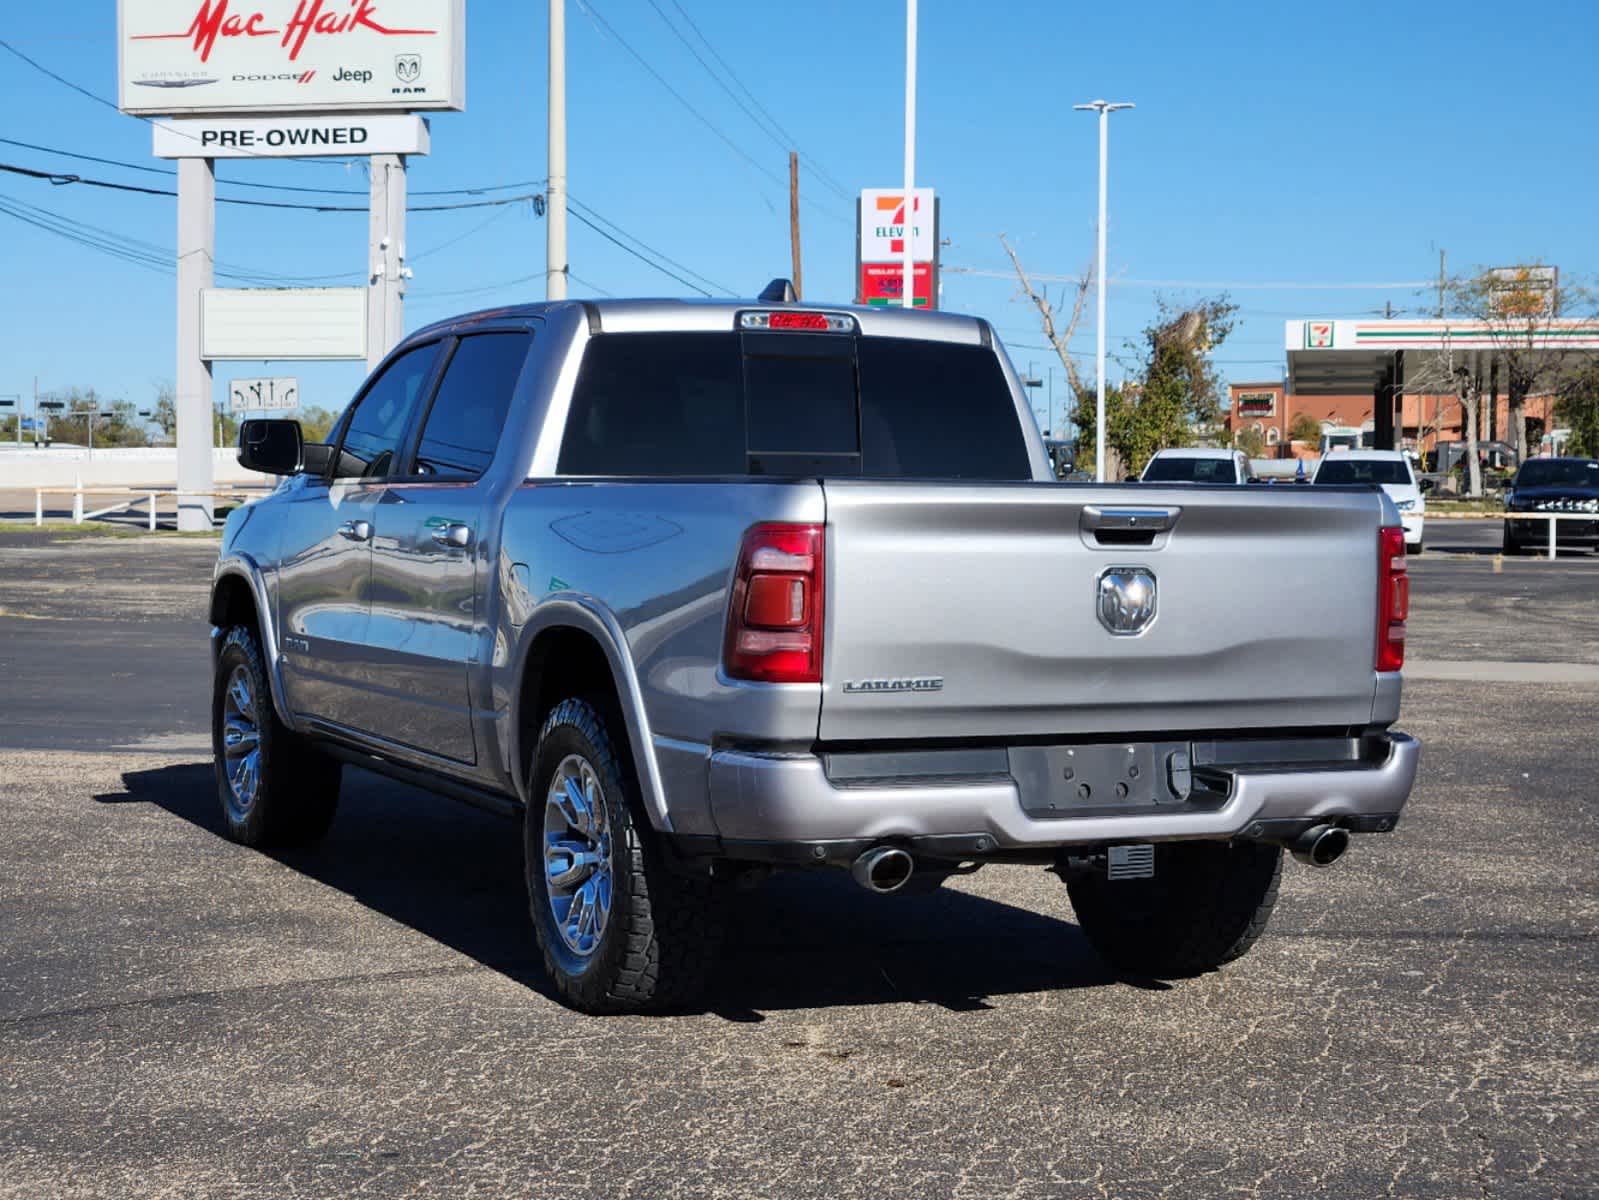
x=571, y=610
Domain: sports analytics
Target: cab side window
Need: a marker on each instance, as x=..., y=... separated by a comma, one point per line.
x=377, y=427
x=468, y=413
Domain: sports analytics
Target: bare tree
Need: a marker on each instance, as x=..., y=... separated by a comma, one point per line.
x=1515, y=311
x=1449, y=371
x=1059, y=335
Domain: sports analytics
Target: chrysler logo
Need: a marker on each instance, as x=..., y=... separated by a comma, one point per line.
x=1125, y=599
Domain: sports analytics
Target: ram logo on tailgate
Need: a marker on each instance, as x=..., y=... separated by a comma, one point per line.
x=924, y=683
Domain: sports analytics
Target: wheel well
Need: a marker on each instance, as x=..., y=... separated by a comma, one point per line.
x=232, y=603
x=565, y=662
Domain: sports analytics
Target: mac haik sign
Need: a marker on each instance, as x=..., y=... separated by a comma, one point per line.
x=219, y=56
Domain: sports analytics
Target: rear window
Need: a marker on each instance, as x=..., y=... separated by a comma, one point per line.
x=1173, y=469
x=665, y=404
x=1558, y=472
x=1363, y=470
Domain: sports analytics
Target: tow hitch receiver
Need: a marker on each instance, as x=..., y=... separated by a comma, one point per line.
x=1130, y=862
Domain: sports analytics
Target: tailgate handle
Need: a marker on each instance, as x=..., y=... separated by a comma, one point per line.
x=1127, y=526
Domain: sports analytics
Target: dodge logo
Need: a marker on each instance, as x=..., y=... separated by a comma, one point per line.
x=407, y=67
x=1125, y=599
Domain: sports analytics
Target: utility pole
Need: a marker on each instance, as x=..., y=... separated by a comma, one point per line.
x=1104, y=108
x=555, y=261
x=1441, y=253
x=385, y=306
x=793, y=222
x=908, y=287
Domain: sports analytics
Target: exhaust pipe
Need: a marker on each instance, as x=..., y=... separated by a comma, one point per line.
x=883, y=870
x=1320, y=846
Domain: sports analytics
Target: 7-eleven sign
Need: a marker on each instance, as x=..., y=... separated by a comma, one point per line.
x=885, y=224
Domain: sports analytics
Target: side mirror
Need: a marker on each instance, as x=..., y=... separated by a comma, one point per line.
x=273, y=447
x=1427, y=485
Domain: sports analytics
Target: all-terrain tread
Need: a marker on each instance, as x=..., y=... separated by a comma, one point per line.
x=299, y=784
x=670, y=925
x=1206, y=905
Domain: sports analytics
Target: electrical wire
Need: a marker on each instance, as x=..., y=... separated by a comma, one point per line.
x=648, y=248
x=769, y=125
x=754, y=163
x=1233, y=285
x=62, y=180
x=274, y=187
x=116, y=108
x=648, y=261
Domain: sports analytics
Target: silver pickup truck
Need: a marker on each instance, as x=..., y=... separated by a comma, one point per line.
x=702, y=591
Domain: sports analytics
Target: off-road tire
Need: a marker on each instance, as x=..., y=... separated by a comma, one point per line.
x=1510, y=548
x=1206, y=905
x=298, y=789
x=665, y=927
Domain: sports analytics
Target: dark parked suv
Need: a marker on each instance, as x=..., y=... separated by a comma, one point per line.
x=1554, y=485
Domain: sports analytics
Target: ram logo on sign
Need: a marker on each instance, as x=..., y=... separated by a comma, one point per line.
x=215, y=56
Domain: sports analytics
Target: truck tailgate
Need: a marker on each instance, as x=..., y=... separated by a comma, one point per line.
x=1265, y=610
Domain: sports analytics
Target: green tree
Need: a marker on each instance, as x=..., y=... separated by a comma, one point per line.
x=316, y=423
x=1251, y=441
x=1304, y=428
x=1577, y=408
x=1178, y=397
x=164, y=412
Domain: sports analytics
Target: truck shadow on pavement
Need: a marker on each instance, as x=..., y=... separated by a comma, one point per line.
x=805, y=940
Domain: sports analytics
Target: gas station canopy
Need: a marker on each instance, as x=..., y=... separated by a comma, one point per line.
x=1343, y=358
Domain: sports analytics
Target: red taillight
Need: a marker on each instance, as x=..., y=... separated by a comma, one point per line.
x=774, y=617
x=797, y=320
x=1393, y=599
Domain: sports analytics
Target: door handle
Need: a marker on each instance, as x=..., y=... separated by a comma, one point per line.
x=356, y=531
x=454, y=535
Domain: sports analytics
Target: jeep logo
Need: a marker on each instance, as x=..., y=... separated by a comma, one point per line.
x=346, y=75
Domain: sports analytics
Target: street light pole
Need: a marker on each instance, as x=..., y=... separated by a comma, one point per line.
x=1104, y=108
x=908, y=285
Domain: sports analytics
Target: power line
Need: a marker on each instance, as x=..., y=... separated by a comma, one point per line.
x=769, y=126
x=62, y=180
x=733, y=75
x=116, y=108
x=588, y=7
x=1234, y=285
x=648, y=248
x=143, y=253
x=642, y=258
x=275, y=187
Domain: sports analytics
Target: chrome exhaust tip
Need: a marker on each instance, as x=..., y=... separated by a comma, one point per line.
x=1321, y=846
x=883, y=870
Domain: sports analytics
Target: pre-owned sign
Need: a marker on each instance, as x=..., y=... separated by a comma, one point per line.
x=196, y=56
x=265, y=137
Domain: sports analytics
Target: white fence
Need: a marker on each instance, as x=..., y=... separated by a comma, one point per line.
x=67, y=466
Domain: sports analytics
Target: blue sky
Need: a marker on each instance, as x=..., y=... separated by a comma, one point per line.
x=1313, y=143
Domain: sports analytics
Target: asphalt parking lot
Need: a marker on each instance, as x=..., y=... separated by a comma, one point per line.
x=183, y=1017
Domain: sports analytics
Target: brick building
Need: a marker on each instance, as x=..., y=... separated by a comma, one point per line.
x=1270, y=408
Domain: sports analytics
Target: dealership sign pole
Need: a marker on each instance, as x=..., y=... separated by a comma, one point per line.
x=350, y=74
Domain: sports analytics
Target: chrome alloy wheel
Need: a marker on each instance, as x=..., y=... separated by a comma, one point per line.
x=578, y=871
x=241, y=742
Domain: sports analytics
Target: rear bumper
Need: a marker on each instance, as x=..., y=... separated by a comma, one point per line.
x=766, y=803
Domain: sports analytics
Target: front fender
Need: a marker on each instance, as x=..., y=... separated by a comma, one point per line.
x=239, y=565
x=573, y=610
